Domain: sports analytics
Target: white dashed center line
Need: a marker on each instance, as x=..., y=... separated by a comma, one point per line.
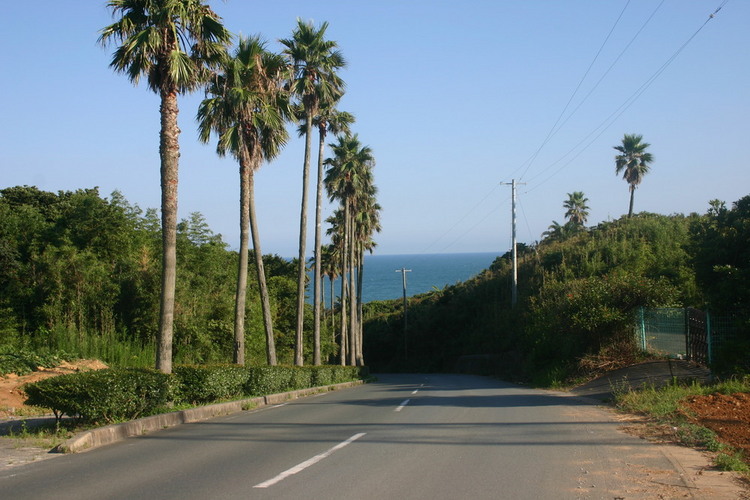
x=307, y=463
x=401, y=406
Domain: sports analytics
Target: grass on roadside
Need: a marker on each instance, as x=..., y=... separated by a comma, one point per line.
x=663, y=406
x=45, y=436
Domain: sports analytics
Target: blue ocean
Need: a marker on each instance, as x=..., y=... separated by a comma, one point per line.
x=383, y=280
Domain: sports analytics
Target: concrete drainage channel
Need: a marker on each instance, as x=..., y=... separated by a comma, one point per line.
x=101, y=436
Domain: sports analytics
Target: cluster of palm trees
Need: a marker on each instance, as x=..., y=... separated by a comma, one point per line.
x=252, y=94
x=633, y=161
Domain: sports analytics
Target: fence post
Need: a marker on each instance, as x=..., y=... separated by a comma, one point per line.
x=688, y=352
x=642, y=328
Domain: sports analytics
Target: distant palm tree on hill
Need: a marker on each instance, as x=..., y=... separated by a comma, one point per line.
x=577, y=210
x=633, y=161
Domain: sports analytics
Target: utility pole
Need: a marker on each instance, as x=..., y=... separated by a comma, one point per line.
x=514, y=286
x=403, y=272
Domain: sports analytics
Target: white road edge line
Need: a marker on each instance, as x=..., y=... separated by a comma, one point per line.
x=415, y=391
x=401, y=407
x=307, y=463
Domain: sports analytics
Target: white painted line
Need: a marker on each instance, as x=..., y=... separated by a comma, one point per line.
x=415, y=391
x=279, y=405
x=401, y=407
x=307, y=463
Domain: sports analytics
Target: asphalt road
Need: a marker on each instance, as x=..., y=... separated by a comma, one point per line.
x=405, y=436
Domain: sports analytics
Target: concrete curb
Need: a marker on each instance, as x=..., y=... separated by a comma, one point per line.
x=94, y=438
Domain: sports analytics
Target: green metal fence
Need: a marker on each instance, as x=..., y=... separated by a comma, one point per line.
x=685, y=333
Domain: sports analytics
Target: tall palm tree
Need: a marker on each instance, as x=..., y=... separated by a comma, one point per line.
x=246, y=107
x=367, y=222
x=171, y=43
x=330, y=269
x=315, y=61
x=337, y=231
x=328, y=119
x=634, y=161
x=348, y=177
x=577, y=211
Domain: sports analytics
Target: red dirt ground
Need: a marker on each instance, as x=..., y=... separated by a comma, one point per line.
x=728, y=415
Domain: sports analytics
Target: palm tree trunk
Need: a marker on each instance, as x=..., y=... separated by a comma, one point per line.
x=344, y=283
x=301, y=274
x=352, y=297
x=264, y=300
x=169, y=152
x=241, y=292
x=360, y=278
x=318, y=260
x=632, y=195
x=333, y=310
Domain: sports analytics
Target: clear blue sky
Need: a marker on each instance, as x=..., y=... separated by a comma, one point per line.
x=454, y=98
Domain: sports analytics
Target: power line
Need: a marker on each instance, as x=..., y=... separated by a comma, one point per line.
x=617, y=59
x=609, y=121
x=552, y=130
x=460, y=220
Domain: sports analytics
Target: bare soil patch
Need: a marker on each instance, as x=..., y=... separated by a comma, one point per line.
x=728, y=415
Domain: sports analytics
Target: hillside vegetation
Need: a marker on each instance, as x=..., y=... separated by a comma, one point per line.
x=577, y=296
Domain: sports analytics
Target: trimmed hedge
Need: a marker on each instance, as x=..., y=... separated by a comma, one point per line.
x=113, y=395
x=104, y=396
x=204, y=384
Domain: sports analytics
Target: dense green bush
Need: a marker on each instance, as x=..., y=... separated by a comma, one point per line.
x=103, y=396
x=207, y=383
x=572, y=318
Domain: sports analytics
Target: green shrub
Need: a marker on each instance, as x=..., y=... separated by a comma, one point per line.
x=103, y=396
x=208, y=383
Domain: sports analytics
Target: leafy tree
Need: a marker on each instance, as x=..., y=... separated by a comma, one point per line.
x=633, y=161
x=315, y=61
x=577, y=212
x=246, y=106
x=170, y=42
x=721, y=256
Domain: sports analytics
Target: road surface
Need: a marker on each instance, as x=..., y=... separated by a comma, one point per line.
x=402, y=437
